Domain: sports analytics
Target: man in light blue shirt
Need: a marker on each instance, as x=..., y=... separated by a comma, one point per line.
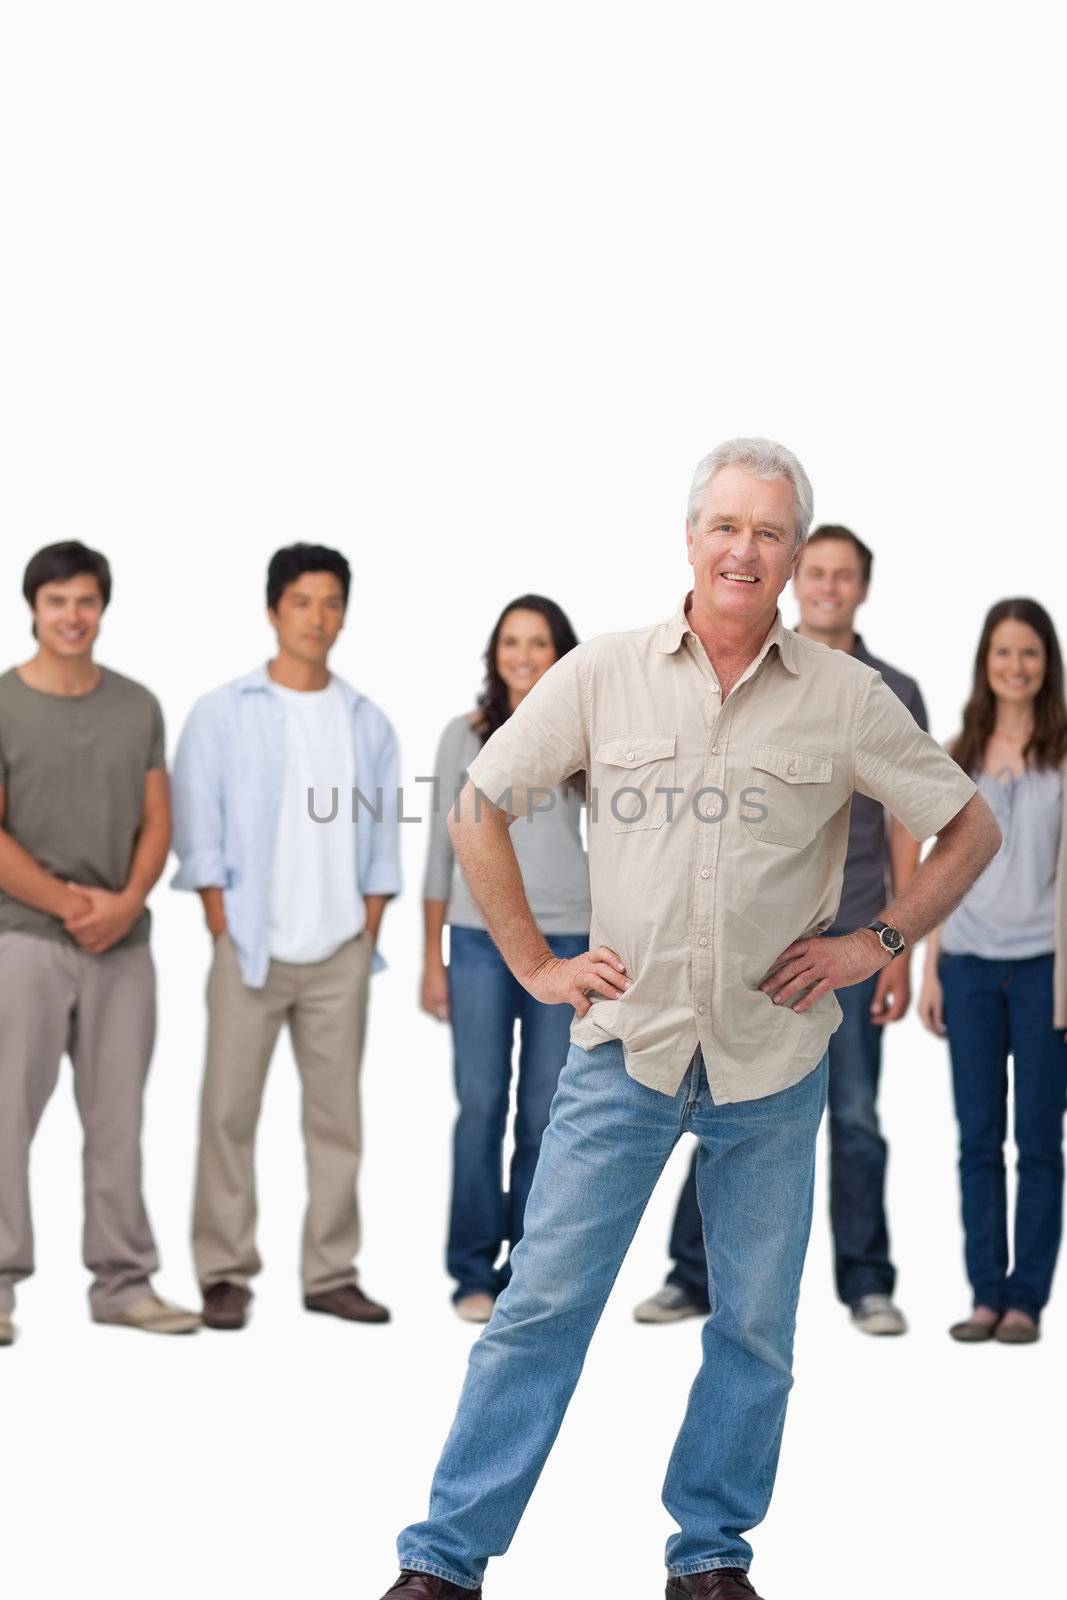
x=286, y=824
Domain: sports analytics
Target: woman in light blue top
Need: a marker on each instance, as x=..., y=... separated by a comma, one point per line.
x=476, y=991
x=994, y=975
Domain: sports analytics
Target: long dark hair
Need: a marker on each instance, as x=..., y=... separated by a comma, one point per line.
x=493, y=708
x=1048, y=741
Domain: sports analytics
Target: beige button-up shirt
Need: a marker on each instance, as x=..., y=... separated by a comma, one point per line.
x=717, y=831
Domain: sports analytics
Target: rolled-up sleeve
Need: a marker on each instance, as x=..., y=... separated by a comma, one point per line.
x=901, y=766
x=543, y=742
x=199, y=825
x=382, y=872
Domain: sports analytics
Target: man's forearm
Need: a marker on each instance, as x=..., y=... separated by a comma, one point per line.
x=963, y=850
x=374, y=906
x=149, y=858
x=490, y=866
x=25, y=879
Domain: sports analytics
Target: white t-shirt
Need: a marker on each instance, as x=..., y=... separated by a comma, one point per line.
x=315, y=904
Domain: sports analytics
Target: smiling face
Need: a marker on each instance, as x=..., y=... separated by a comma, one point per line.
x=524, y=651
x=743, y=548
x=829, y=586
x=67, y=616
x=1015, y=663
x=308, y=617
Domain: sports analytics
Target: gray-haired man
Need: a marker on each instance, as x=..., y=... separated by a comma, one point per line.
x=723, y=751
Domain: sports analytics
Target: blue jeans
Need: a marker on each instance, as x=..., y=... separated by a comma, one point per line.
x=486, y=1002
x=857, y=1168
x=607, y=1143
x=994, y=1009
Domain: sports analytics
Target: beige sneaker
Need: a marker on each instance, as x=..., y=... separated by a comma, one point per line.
x=153, y=1315
x=475, y=1307
x=7, y=1329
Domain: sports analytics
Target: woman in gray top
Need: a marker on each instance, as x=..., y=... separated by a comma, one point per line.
x=476, y=991
x=990, y=968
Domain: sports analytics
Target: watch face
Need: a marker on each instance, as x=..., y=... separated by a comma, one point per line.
x=892, y=938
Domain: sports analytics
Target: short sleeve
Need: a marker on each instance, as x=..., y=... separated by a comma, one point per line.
x=900, y=765
x=157, y=749
x=917, y=706
x=543, y=742
x=448, y=773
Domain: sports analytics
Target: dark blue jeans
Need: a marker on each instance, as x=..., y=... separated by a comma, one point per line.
x=994, y=1009
x=857, y=1167
x=486, y=1002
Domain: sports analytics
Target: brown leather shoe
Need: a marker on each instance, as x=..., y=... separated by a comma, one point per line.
x=973, y=1330
x=424, y=1586
x=226, y=1305
x=725, y=1583
x=351, y=1304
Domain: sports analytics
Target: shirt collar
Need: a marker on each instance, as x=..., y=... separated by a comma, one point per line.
x=674, y=630
x=259, y=679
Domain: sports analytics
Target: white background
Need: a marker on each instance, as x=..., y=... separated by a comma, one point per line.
x=466, y=290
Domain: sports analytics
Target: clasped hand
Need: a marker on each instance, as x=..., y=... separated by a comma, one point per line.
x=100, y=918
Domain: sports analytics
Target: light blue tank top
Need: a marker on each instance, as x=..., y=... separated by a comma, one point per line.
x=1008, y=913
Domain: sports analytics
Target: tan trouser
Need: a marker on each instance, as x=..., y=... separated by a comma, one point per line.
x=325, y=1005
x=101, y=1011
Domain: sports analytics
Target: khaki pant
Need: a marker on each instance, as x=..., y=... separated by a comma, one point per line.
x=325, y=1005
x=101, y=1011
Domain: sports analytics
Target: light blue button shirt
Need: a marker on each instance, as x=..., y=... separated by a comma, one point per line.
x=227, y=787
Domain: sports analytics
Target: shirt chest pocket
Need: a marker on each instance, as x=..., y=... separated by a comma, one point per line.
x=631, y=775
x=798, y=795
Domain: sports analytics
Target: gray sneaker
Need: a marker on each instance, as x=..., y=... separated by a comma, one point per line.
x=669, y=1304
x=877, y=1314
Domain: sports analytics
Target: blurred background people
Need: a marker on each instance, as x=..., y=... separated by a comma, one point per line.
x=995, y=978
x=830, y=584
x=476, y=992
x=84, y=834
x=294, y=872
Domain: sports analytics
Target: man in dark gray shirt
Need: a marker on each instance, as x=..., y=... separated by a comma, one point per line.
x=84, y=834
x=831, y=584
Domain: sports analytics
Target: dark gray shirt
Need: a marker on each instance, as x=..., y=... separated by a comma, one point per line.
x=866, y=888
x=73, y=770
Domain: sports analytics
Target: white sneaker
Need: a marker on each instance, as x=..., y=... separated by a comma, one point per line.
x=153, y=1315
x=669, y=1304
x=877, y=1314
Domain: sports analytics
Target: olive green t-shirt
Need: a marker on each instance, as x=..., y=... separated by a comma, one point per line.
x=73, y=769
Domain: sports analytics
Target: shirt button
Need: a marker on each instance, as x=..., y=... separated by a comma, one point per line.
x=704, y=872
x=702, y=1009
x=715, y=749
x=703, y=939
x=792, y=769
x=629, y=755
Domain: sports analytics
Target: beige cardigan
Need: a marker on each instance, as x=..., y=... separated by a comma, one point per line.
x=1059, y=970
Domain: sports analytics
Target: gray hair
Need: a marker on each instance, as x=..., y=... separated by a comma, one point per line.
x=764, y=459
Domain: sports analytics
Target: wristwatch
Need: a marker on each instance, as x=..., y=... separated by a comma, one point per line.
x=890, y=939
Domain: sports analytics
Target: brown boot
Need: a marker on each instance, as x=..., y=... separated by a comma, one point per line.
x=424, y=1586
x=226, y=1305
x=725, y=1583
x=349, y=1303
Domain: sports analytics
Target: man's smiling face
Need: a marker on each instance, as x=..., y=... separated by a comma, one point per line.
x=743, y=548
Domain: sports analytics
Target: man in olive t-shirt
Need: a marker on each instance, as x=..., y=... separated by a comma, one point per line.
x=84, y=834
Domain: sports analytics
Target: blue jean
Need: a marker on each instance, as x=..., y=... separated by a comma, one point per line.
x=486, y=1002
x=857, y=1167
x=994, y=1009
x=607, y=1142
